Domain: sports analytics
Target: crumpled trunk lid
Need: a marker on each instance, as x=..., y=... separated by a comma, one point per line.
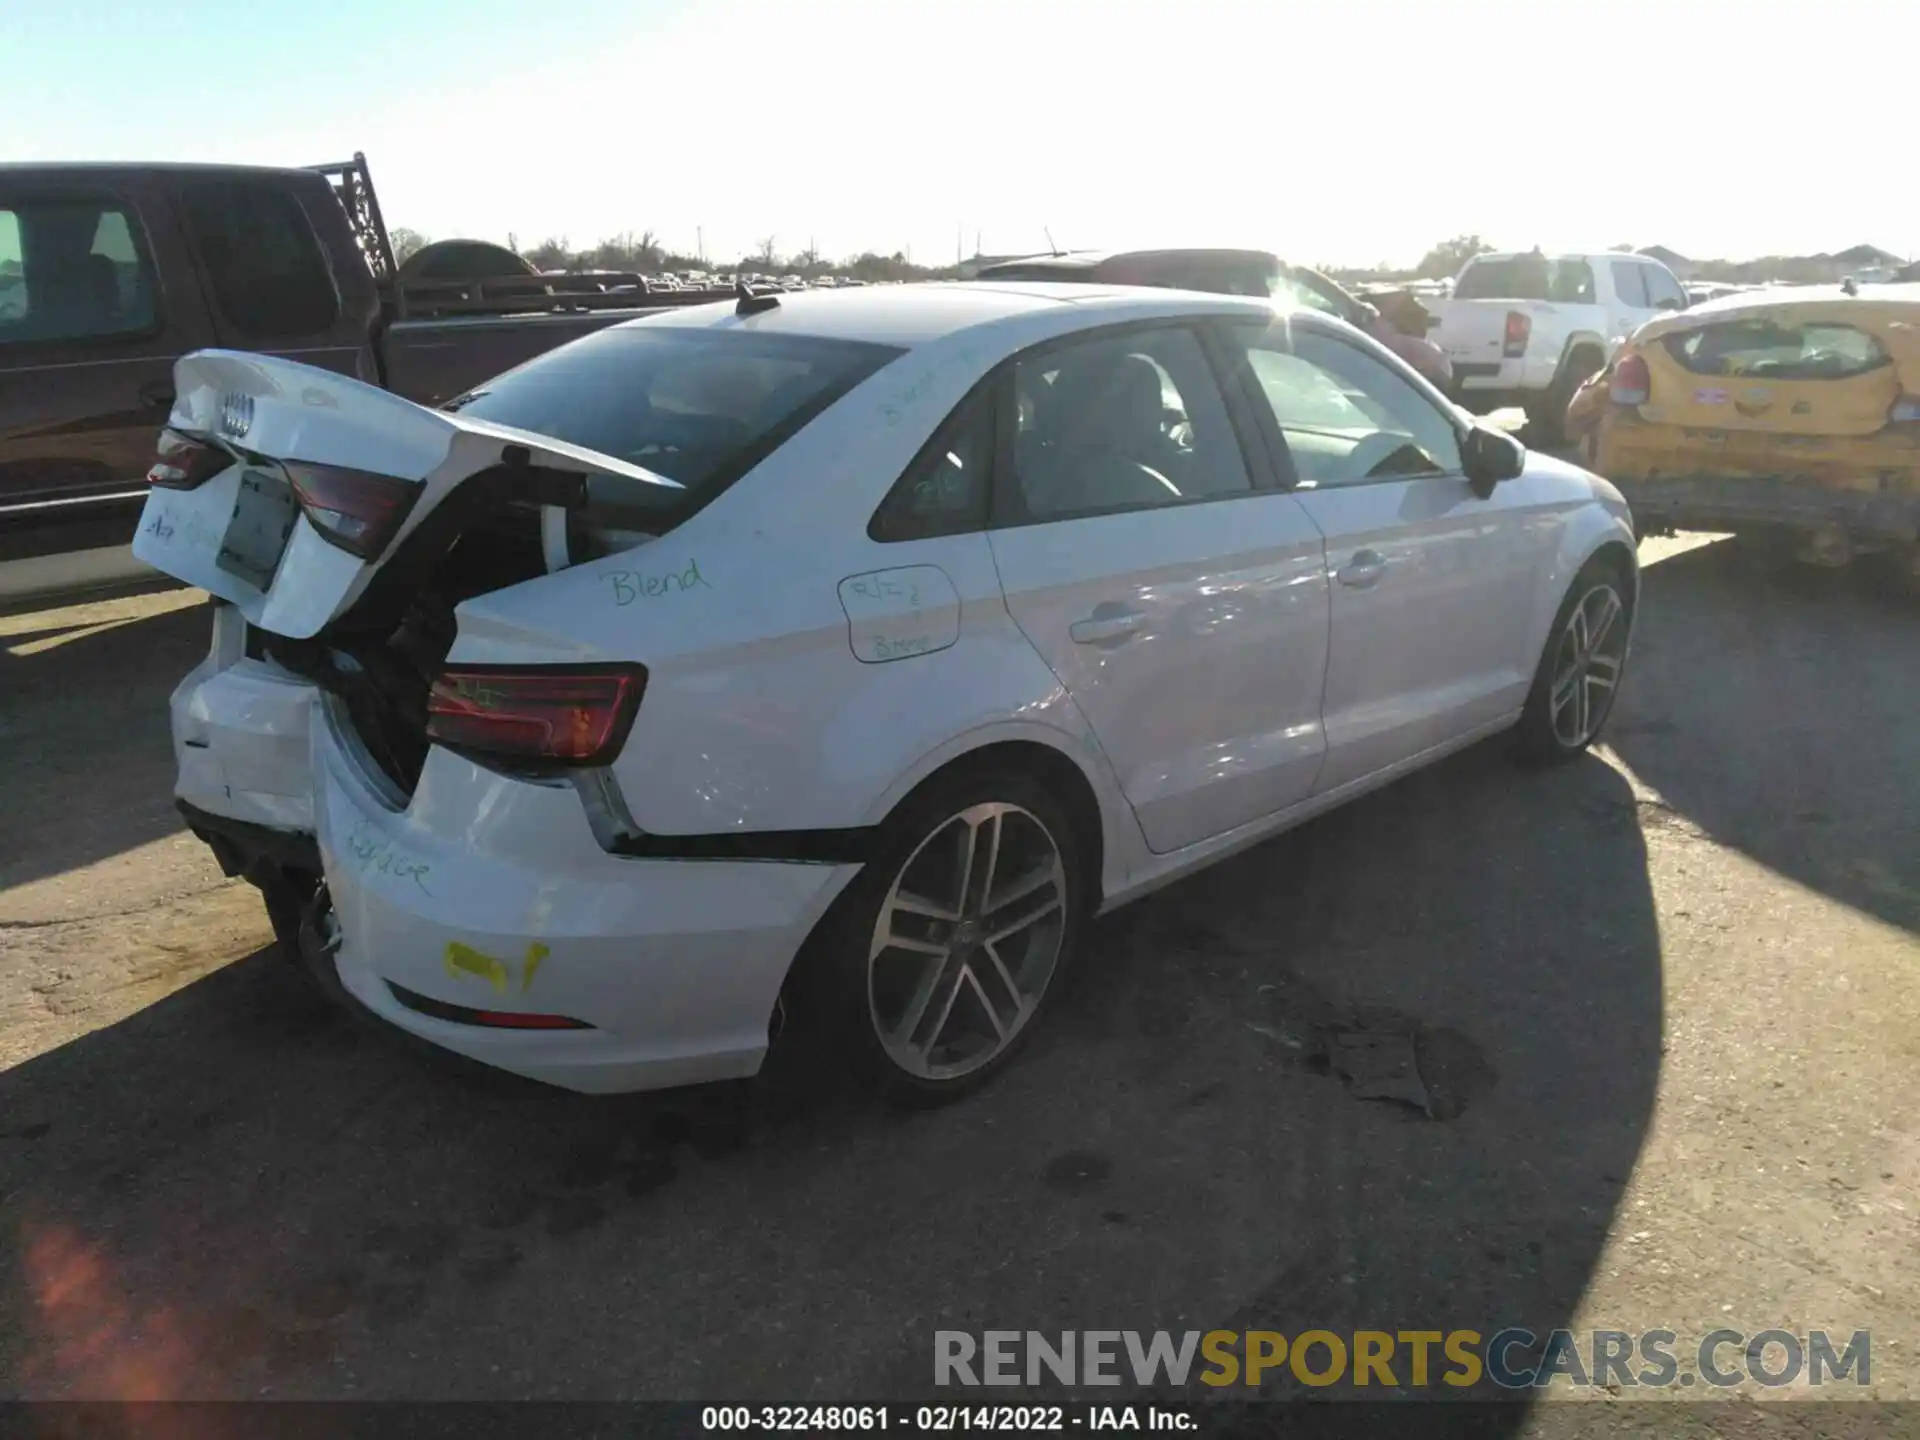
x=243, y=535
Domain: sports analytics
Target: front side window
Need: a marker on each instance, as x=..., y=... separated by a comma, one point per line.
x=1629, y=283
x=1346, y=418
x=1121, y=422
x=72, y=270
x=1663, y=289
x=265, y=267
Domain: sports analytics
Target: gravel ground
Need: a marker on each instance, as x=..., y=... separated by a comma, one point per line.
x=1663, y=1001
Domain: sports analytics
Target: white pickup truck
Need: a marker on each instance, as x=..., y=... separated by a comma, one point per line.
x=1526, y=328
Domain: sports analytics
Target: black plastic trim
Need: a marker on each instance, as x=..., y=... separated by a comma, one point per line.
x=810, y=847
x=239, y=845
x=467, y=1015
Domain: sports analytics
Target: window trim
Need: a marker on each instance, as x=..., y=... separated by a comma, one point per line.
x=142, y=240
x=1365, y=345
x=216, y=307
x=1008, y=510
x=987, y=392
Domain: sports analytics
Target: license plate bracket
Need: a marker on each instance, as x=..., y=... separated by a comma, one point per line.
x=264, y=514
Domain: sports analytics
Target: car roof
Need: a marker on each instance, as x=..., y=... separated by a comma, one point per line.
x=916, y=314
x=109, y=169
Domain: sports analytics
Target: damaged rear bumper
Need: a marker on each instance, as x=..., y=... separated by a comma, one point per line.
x=1735, y=505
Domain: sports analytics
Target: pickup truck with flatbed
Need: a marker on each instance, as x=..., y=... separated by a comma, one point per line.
x=111, y=272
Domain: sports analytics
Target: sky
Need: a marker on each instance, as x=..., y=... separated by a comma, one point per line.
x=1342, y=132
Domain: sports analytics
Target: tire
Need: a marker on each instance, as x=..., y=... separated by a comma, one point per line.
x=876, y=993
x=1547, y=734
x=291, y=898
x=1547, y=415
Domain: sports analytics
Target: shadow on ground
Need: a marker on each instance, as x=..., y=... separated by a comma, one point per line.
x=85, y=763
x=1776, y=708
x=231, y=1193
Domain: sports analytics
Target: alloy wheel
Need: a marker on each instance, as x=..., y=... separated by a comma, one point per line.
x=967, y=941
x=1587, y=663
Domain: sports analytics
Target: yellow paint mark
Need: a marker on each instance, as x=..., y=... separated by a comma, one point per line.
x=464, y=959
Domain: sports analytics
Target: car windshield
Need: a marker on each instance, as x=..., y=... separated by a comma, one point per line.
x=1526, y=277
x=1779, y=350
x=699, y=406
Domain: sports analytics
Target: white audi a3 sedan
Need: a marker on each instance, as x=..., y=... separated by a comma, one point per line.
x=874, y=640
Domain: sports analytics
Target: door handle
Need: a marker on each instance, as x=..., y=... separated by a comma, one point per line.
x=1364, y=570
x=158, y=394
x=1098, y=629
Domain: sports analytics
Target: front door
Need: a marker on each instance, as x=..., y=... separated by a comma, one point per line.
x=1183, y=609
x=1432, y=587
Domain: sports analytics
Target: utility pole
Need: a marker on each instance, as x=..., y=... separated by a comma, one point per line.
x=700, y=244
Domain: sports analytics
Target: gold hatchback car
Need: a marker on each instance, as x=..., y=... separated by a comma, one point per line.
x=1793, y=413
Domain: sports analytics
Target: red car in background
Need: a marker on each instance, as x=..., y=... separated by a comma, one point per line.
x=1401, y=326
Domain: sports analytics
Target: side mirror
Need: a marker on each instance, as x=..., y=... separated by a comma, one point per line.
x=1669, y=304
x=1490, y=456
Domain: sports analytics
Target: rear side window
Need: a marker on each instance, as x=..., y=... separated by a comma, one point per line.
x=701, y=407
x=264, y=264
x=72, y=269
x=947, y=488
x=1778, y=350
x=1526, y=277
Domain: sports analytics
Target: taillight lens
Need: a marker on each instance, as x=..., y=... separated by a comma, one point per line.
x=1632, y=382
x=1519, y=331
x=356, y=510
x=181, y=462
x=574, y=716
x=1906, y=411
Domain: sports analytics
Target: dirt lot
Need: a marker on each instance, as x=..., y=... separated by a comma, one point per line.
x=1665, y=1000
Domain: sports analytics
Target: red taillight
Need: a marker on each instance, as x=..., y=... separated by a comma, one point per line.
x=1519, y=331
x=181, y=462
x=1632, y=382
x=1905, y=411
x=356, y=510
x=540, y=713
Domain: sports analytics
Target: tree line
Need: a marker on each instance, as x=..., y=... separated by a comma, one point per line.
x=641, y=252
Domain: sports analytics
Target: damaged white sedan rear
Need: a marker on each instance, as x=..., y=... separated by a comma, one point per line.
x=869, y=642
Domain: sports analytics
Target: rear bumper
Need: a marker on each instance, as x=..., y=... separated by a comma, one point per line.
x=1737, y=504
x=240, y=734
x=490, y=894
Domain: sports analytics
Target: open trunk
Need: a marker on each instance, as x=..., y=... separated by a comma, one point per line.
x=346, y=524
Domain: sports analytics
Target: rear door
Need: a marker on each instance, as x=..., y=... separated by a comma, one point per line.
x=1432, y=587
x=96, y=303
x=1184, y=609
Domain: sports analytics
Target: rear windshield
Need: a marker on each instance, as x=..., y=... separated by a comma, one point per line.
x=698, y=406
x=1526, y=277
x=1778, y=350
